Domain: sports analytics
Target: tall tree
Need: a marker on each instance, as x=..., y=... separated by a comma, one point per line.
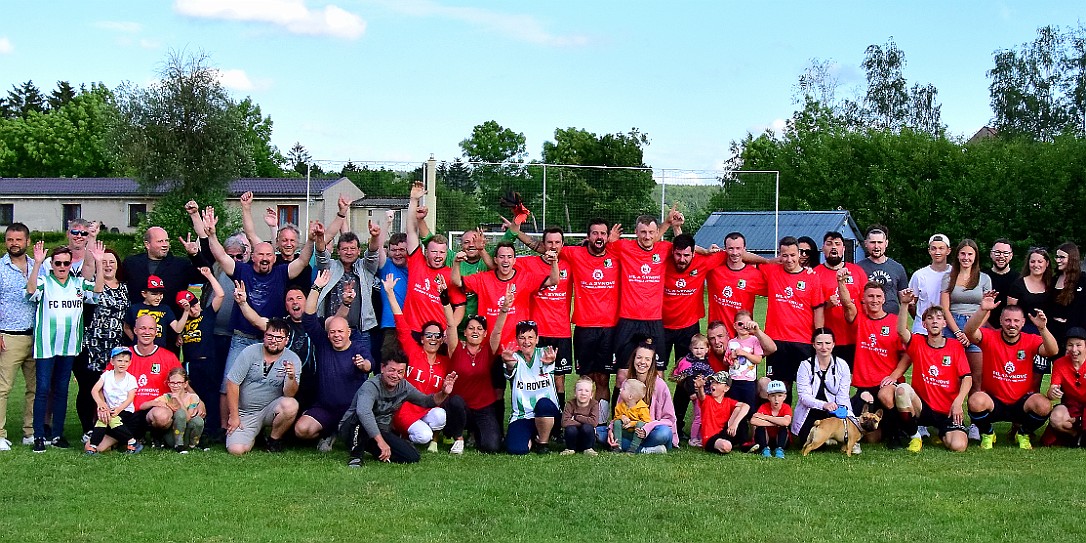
x=61, y=95
x=24, y=99
x=491, y=142
x=267, y=161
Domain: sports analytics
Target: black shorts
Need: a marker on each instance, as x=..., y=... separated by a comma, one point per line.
x=594, y=350
x=628, y=329
x=858, y=404
x=1015, y=412
x=563, y=363
x=942, y=422
x=677, y=342
x=783, y=364
x=846, y=353
x=723, y=434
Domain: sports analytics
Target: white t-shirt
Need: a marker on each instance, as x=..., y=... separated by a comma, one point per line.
x=927, y=285
x=116, y=391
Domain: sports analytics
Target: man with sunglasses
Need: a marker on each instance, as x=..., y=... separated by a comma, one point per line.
x=882, y=269
x=260, y=389
x=80, y=234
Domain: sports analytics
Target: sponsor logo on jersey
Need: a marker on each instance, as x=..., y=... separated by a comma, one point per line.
x=597, y=275
x=645, y=269
x=933, y=371
x=1009, y=368
x=885, y=330
x=946, y=360
x=694, y=272
x=680, y=283
x=727, y=292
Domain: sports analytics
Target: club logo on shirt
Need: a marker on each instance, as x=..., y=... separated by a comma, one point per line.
x=607, y=263
x=885, y=330
x=788, y=292
x=849, y=280
x=597, y=275
x=933, y=371
x=562, y=274
x=946, y=360
x=694, y=272
x=680, y=283
x=1009, y=368
x=1021, y=355
x=655, y=259
x=156, y=368
x=742, y=283
x=801, y=285
x=645, y=269
x=727, y=292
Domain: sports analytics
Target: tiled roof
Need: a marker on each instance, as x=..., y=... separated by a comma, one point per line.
x=382, y=203
x=123, y=186
x=758, y=228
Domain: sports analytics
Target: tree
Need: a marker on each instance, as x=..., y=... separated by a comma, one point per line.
x=267, y=161
x=24, y=99
x=61, y=95
x=490, y=142
x=818, y=82
x=457, y=176
x=183, y=133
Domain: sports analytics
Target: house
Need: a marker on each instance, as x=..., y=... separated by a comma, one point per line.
x=47, y=204
x=763, y=232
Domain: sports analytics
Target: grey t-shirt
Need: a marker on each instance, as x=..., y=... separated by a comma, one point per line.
x=374, y=404
x=966, y=302
x=891, y=275
x=260, y=385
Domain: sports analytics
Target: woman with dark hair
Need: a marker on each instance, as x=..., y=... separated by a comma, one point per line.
x=1068, y=305
x=822, y=385
x=426, y=371
x=963, y=289
x=104, y=332
x=1033, y=290
x=660, y=434
x=808, y=254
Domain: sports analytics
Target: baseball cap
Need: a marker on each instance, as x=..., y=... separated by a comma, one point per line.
x=720, y=377
x=776, y=387
x=1077, y=332
x=187, y=296
x=155, y=284
x=939, y=237
x=120, y=350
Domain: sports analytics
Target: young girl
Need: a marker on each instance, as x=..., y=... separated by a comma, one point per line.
x=188, y=409
x=631, y=413
x=580, y=417
x=745, y=353
x=114, y=393
x=695, y=363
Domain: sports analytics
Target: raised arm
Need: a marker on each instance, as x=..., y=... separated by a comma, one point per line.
x=382, y=242
x=417, y=192
x=32, y=279
x=92, y=239
x=499, y=323
x=529, y=242
x=298, y=265
x=343, y=203
x=319, y=282
x=218, y=294
x=97, y=251
x=389, y=282
x=241, y=300
x=907, y=298
x=247, y=225
x=211, y=222
x=554, y=277
x=455, y=277
x=846, y=297
x=972, y=326
x=1049, y=347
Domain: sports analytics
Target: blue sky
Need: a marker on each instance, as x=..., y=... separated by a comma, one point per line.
x=396, y=80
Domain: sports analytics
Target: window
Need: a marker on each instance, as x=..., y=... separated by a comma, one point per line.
x=288, y=214
x=7, y=214
x=136, y=213
x=71, y=211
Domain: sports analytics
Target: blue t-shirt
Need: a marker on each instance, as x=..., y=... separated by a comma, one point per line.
x=387, y=320
x=338, y=378
x=265, y=292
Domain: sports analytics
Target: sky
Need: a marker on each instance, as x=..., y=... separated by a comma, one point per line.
x=399, y=80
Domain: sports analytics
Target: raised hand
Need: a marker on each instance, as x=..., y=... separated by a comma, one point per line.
x=191, y=247
x=450, y=381
x=97, y=251
x=39, y=251
x=375, y=229
x=441, y=285
x=417, y=190
x=906, y=297
x=349, y=293
x=389, y=282
x=271, y=218
x=322, y=278
x=191, y=208
x=246, y=201
x=206, y=272
x=988, y=302
x=210, y=221
x=1040, y=320
x=343, y=203
x=240, y=297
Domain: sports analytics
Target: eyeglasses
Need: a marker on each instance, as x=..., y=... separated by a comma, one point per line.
x=62, y=263
x=1001, y=253
x=274, y=337
x=178, y=383
x=432, y=335
x=239, y=256
x=79, y=233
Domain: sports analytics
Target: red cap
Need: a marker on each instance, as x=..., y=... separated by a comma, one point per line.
x=187, y=296
x=155, y=284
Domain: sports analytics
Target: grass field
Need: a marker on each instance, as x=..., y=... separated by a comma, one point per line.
x=301, y=495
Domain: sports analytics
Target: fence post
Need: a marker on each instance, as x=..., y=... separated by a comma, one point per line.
x=544, y=196
x=431, y=190
x=663, y=195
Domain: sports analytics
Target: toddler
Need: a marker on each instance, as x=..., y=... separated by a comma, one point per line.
x=114, y=393
x=695, y=363
x=631, y=413
x=580, y=417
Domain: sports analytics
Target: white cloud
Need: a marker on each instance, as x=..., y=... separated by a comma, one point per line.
x=149, y=44
x=236, y=80
x=776, y=125
x=127, y=27
x=519, y=27
x=293, y=15
x=5, y=46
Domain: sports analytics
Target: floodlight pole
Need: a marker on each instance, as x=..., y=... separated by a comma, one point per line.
x=308, y=171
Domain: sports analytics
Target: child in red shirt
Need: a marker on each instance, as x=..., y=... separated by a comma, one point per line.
x=720, y=416
x=772, y=421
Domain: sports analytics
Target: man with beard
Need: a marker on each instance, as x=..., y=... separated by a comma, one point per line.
x=1007, y=392
x=424, y=265
x=260, y=389
x=16, y=330
x=1002, y=275
x=343, y=363
x=286, y=236
x=794, y=309
x=684, y=294
x=732, y=287
x=882, y=269
x=844, y=333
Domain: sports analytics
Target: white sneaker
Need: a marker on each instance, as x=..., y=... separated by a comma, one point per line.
x=325, y=443
x=86, y=437
x=974, y=433
x=28, y=441
x=5, y=445
x=923, y=432
x=457, y=447
x=856, y=449
x=658, y=449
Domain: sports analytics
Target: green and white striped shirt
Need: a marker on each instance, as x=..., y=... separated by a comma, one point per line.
x=530, y=381
x=58, y=322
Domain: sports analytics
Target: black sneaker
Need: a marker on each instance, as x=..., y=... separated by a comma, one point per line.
x=541, y=448
x=274, y=445
x=39, y=444
x=60, y=443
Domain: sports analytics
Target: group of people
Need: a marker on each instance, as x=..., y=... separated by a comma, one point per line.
x=398, y=341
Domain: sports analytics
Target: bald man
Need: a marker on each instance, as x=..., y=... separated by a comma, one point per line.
x=343, y=364
x=176, y=273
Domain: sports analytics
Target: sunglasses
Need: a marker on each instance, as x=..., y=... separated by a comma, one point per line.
x=62, y=263
x=1078, y=379
x=239, y=256
x=79, y=233
x=432, y=335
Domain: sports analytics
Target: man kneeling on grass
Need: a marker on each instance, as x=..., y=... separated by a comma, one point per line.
x=260, y=389
x=366, y=427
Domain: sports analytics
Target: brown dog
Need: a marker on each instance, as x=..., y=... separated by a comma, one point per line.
x=834, y=429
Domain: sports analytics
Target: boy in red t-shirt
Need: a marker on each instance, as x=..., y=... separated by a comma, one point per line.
x=720, y=415
x=772, y=420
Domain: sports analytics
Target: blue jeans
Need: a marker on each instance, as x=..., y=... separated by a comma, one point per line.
x=661, y=435
x=52, y=376
x=237, y=344
x=518, y=438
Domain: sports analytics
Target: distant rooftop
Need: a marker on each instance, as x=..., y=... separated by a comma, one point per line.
x=758, y=227
x=124, y=186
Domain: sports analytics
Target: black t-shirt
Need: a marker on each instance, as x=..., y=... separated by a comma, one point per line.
x=1030, y=301
x=163, y=316
x=197, y=339
x=304, y=279
x=1001, y=284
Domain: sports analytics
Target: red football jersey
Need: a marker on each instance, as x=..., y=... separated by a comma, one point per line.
x=1070, y=381
x=684, y=295
x=792, y=300
x=641, y=283
x=937, y=373
x=1008, y=368
x=595, y=287
x=151, y=373
x=834, y=313
x=551, y=305
x=878, y=349
x=423, y=302
x=715, y=415
x=491, y=290
x=731, y=290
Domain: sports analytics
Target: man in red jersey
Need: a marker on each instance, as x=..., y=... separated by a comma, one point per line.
x=641, y=287
x=684, y=294
x=794, y=310
x=423, y=301
x=833, y=260
x=732, y=287
x=1007, y=371
x=941, y=379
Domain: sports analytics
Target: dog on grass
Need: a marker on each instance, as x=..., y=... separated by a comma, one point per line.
x=846, y=431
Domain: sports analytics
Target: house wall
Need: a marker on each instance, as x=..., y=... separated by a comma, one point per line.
x=46, y=213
